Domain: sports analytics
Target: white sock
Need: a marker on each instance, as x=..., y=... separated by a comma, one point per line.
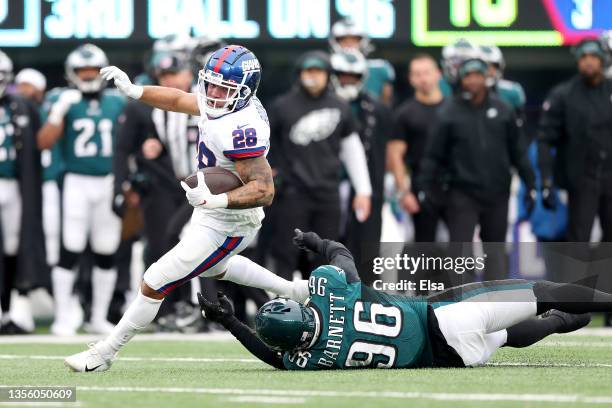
x=103, y=286
x=138, y=315
x=63, y=282
x=21, y=312
x=245, y=272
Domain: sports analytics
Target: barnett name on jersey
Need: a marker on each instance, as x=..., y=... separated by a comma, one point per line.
x=358, y=327
x=244, y=134
x=90, y=133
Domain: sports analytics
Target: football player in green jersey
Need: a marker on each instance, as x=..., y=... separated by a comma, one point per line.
x=82, y=119
x=509, y=91
x=347, y=35
x=345, y=324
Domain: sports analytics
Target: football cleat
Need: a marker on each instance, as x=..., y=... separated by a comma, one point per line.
x=569, y=322
x=92, y=360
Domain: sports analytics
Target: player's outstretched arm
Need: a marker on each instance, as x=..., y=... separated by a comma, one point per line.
x=334, y=252
x=223, y=313
x=258, y=189
x=169, y=99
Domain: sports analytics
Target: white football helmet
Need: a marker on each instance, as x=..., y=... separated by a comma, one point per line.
x=6, y=72
x=348, y=62
x=86, y=56
x=453, y=56
x=492, y=55
x=348, y=28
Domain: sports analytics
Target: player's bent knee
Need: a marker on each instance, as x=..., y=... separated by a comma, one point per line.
x=104, y=261
x=68, y=259
x=147, y=291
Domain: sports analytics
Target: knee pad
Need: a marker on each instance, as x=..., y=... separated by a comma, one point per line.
x=68, y=259
x=104, y=261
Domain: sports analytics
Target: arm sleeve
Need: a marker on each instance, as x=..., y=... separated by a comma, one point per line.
x=549, y=133
x=352, y=155
x=517, y=146
x=337, y=255
x=251, y=342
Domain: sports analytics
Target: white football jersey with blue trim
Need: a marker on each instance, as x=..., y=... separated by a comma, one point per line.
x=240, y=135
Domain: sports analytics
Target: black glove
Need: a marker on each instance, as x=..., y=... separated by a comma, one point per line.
x=306, y=240
x=548, y=198
x=529, y=200
x=216, y=312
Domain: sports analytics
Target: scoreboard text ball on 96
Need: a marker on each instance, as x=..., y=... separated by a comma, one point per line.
x=32, y=23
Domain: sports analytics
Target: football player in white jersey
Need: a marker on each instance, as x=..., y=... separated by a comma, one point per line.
x=234, y=134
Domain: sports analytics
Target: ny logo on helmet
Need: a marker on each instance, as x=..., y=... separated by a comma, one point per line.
x=250, y=65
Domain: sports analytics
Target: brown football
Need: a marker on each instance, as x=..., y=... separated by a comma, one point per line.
x=218, y=180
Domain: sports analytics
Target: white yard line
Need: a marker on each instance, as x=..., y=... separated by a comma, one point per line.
x=220, y=336
x=158, y=359
x=254, y=360
x=88, y=338
x=561, y=398
x=254, y=399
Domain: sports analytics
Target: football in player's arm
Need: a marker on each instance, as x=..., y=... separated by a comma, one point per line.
x=345, y=324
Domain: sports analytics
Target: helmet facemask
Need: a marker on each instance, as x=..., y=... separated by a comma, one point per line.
x=216, y=106
x=348, y=92
x=86, y=86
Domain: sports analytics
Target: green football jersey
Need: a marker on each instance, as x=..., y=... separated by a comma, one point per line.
x=89, y=131
x=359, y=327
x=380, y=72
x=511, y=92
x=8, y=154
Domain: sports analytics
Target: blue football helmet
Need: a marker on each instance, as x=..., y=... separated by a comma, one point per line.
x=233, y=70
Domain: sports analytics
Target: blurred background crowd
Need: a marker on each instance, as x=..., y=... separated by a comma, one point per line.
x=89, y=192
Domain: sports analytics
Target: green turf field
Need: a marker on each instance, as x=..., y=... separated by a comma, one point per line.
x=561, y=371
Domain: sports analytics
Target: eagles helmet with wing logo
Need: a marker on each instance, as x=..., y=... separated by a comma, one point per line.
x=86, y=56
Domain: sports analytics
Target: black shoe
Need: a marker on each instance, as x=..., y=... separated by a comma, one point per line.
x=11, y=329
x=569, y=322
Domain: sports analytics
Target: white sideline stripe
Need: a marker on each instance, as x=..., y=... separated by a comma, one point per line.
x=253, y=399
x=254, y=360
x=89, y=338
x=573, y=344
x=520, y=364
x=41, y=404
x=569, y=398
x=159, y=359
x=204, y=337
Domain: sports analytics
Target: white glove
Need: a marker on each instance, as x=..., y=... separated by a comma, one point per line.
x=122, y=81
x=59, y=109
x=201, y=197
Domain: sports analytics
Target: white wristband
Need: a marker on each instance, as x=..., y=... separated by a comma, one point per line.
x=218, y=201
x=56, y=115
x=134, y=91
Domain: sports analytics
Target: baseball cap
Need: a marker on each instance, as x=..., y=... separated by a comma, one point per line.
x=593, y=47
x=33, y=77
x=472, y=65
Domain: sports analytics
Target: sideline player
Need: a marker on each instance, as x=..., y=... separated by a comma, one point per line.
x=81, y=119
x=345, y=324
x=234, y=134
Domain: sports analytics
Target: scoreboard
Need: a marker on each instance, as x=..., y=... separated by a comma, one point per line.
x=420, y=23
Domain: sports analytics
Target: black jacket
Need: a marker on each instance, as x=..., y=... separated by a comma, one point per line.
x=374, y=125
x=31, y=260
x=577, y=123
x=305, y=135
x=477, y=146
